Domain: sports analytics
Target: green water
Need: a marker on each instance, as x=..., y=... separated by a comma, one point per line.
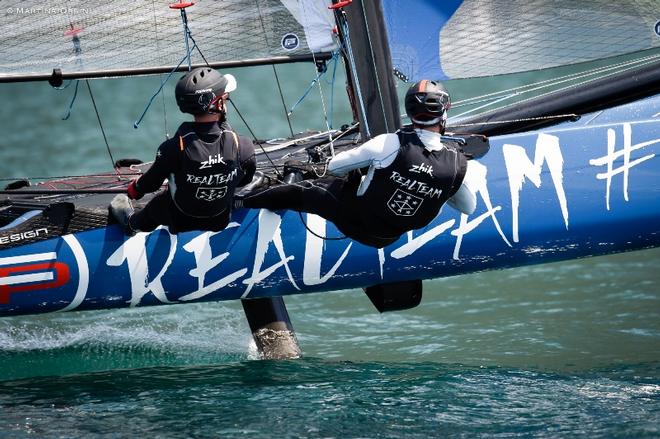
x=559, y=350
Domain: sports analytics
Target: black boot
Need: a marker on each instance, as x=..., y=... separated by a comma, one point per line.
x=259, y=182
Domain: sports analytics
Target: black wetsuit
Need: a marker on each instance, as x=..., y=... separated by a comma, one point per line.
x=406, y=195
x=203, y=163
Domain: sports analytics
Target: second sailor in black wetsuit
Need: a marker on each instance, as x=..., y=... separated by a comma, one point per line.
x=204, y=163
x=411, y=175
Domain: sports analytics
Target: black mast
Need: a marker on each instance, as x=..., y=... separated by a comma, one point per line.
x=372, y=91
x=369, y=66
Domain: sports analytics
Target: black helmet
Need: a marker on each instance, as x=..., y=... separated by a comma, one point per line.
x=427, y=103
x=200, y=87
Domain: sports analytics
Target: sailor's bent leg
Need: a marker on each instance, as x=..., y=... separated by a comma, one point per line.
x=320, y=197
x=158, y=211
x=280, y=196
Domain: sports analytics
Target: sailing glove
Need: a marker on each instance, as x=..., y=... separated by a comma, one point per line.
x=133, y=192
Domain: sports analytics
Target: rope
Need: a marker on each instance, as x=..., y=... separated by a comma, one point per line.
x=277, y=78
x=73, y=99
x=553, y=81
x=279, y=87
x=351, y=60
x=325, y=238
x=526, y=119
x=57, y=177
x=162, y=84
x=98, y=117
x=316, y=80
x=160, y=75
x=77, y=50
x=325, y=111
x=186, y=34
x=332, y=88
x=604, y=72
x=328, y=123
x=279, y=174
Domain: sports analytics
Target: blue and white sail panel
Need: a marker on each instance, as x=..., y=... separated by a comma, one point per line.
x=414, y=29
x=79, y=37
x=474, y=38
x=577, y=189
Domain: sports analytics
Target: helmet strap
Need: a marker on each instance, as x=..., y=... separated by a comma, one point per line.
x=427, y=123
x=217, y=105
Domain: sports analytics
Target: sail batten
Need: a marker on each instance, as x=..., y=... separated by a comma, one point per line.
x=146, y=35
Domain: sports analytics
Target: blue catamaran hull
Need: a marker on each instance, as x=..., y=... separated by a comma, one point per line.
x=574, y=190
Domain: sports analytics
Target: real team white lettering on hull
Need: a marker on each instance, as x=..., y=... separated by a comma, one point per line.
x=547, y=152
x=466, y=226
x=133, y=252
x=269, y=231
x=314, y=252
x=519, y=166
x=200, y=247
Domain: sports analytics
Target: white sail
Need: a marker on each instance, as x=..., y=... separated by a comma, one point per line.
x=99, y=36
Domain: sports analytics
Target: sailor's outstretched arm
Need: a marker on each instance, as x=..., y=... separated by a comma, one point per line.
x=380, y=148
x=465, y=199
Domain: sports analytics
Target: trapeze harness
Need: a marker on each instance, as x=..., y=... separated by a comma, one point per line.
x=208, y=175
x=409, y=193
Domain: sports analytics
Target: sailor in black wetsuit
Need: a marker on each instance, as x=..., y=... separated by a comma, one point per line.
x=204, y=163
x=411, y=174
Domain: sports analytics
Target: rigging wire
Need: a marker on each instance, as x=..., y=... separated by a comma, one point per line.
x=279, y=87
x=187, y=35
x=351, y=60
x=528, y=88
x=187, y=57
x=325, y=238
x=98, y=117
x=557, y=80
x=629, y=66
x=306, y=92
x=321, y=68
x=77, y=50
x=57, y=177
x=160, y=75
x=325, y=111
x=162, y=84
x=279, y=174
x=277, y=78
x=524, y=119
x=332, y=88
x=73, y=99
x=316, y=80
